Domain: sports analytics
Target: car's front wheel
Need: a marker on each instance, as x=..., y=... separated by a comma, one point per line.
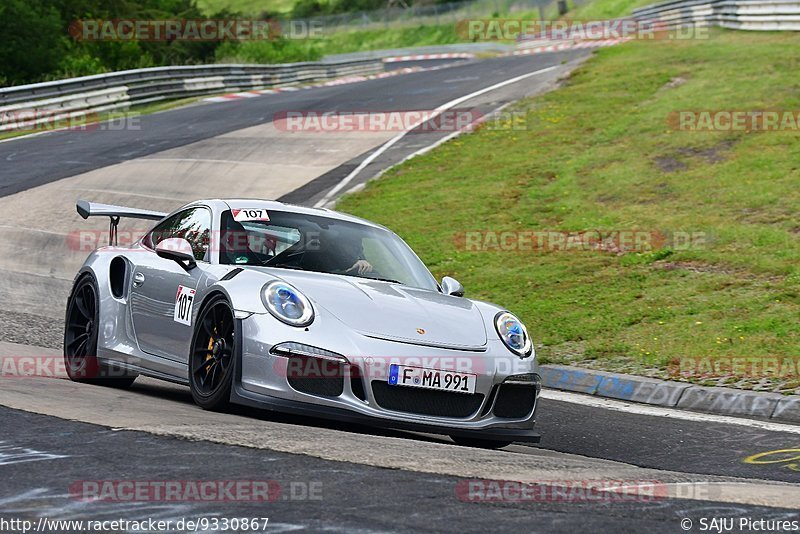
x=80, y=339
x=480, y=443
x=212, y=357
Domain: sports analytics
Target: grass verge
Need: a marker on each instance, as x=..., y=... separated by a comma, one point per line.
x=599, y=154
x=607, y=9
x=251, y=8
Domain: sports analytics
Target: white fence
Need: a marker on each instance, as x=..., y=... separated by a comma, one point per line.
x=762, y=15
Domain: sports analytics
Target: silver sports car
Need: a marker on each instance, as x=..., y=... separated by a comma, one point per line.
x=300, y=310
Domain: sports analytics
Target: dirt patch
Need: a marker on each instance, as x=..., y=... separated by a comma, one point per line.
x=677, y=81
x=709, y=268
x=713, y=154
x=549, y=177
x=608, y=199
x=680, y=159
x=670, y=164
x=771, y=216
x=695, y=267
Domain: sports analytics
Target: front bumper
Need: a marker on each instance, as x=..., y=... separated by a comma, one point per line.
x=259, y=382
x=241, y=396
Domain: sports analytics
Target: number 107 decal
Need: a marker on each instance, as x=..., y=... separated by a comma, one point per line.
x=184, y=301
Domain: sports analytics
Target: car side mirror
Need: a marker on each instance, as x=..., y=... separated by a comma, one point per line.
x=451, y=286
x=177, y=249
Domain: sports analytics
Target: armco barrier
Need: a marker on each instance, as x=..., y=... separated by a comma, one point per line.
x=25, y=106
x=758, y=15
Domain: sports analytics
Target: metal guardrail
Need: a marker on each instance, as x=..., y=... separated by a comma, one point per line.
x=758, y=15
x=25, y=106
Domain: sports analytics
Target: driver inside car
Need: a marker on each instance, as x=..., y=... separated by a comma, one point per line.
x=333, y=252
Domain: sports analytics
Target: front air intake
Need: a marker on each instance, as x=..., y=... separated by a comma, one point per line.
x=313, y=370
x=425, y=401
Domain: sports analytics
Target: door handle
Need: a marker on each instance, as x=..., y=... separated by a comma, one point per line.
x=138, y=279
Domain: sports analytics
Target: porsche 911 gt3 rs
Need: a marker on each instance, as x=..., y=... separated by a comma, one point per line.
x=299, y=310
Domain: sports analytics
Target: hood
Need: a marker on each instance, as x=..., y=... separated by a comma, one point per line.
x=391, y=311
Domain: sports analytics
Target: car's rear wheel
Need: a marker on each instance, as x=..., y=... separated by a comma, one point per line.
x=80, y=339
x=480, y=443
x=212, y=357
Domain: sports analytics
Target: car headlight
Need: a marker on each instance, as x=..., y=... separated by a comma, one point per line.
x=513, y=333
x=287, y=304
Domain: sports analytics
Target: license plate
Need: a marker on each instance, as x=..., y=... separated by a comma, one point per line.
x=419, y=377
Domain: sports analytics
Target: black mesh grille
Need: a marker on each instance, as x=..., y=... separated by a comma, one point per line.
x=315, y=376
x=515, y=400
x=425, y=401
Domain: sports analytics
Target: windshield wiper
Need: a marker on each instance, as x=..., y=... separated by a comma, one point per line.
x=284, y=266
x=382, y=279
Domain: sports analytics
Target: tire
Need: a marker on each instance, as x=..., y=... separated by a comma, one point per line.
x=480, y=443
x=212, y=354
x=80, y=339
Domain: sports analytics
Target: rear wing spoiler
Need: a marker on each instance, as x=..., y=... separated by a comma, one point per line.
x=88, y=209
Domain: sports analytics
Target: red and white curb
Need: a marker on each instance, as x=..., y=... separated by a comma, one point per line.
x=568, y=46
x=423, y=57
x=601, y=43
x=339, y=81
x=248, y=94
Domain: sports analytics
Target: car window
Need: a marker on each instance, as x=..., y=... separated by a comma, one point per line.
x=316, y=243
x=252, y=243
x=270, y=239
x=382, y=258
x=194, y=225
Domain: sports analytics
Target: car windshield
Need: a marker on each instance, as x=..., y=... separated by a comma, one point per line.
x=305, y=242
